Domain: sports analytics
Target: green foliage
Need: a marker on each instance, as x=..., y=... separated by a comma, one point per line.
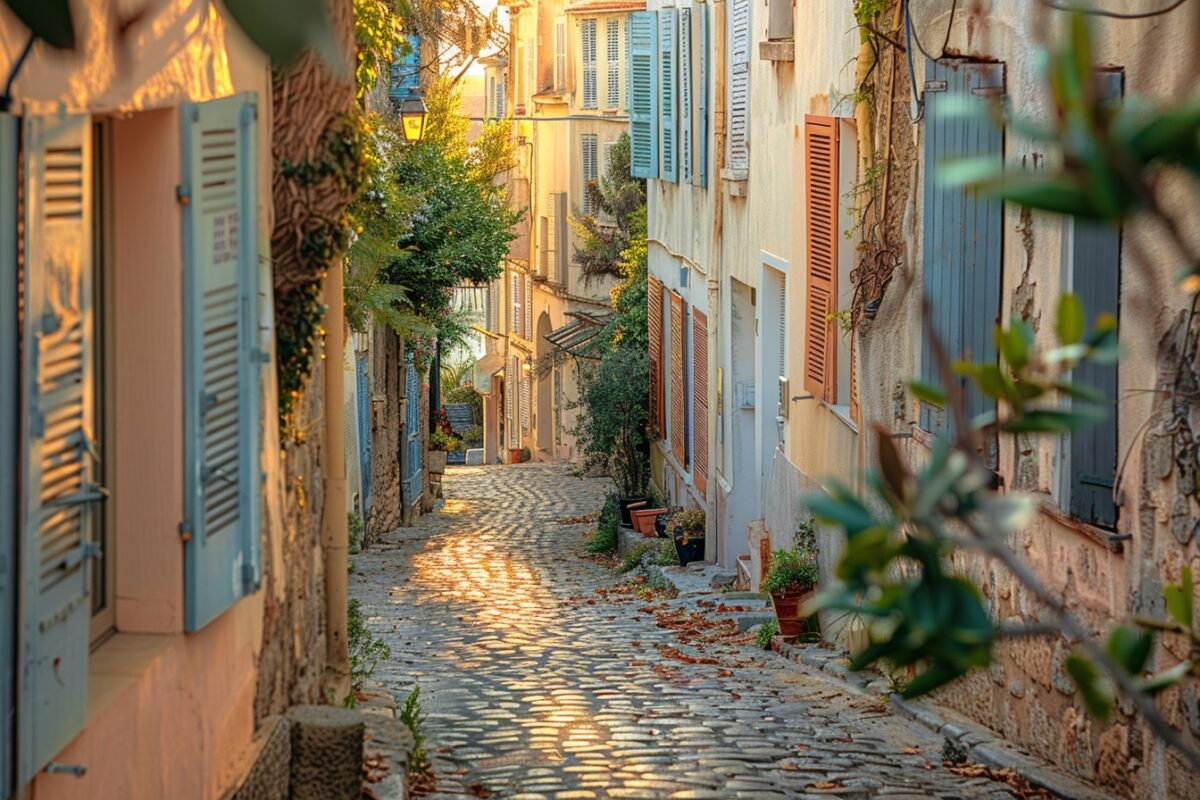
x=413, y=718
x=605, y=538
x=473, y=436
x=791, y=571
x=365, y=650
x=618, y=201
x=357, y=531
x=379, y=34
x=444, y=442
x=765, y=632
x=611, y=430
x=688, y=520
x=662, y=553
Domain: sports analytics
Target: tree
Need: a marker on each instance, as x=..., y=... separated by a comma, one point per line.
x=619, y=203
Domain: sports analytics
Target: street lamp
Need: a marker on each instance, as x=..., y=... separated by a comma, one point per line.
x=412, y=118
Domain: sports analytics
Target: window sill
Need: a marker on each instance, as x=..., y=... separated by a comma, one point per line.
x=1113, y=542
x=783, y=50
x=118, y=664
x=843, y=413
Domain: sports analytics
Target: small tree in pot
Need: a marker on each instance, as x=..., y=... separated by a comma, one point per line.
x=791, y=580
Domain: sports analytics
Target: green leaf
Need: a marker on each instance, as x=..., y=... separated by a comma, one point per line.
x=1096, y=691
x=841, y=507
x=1180, y=599
x=285, y=29
x=1167, y=678
x=1014, y=343
x=1070, y=324
x=1061, y=195
x=49, y=20
x=1083, y=392
x=927, y=392
x=1168, y=134
x=928, y=680
x=1045, y=420
x=1129, y=647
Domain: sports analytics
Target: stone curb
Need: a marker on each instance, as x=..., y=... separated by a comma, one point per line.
x=983, y=746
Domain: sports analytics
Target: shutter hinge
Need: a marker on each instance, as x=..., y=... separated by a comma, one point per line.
x=261, y=356
x=55, y=768
x=185, y=530
x=935, y=86
x=92, y=550
x=249, y=577
x=183, y=194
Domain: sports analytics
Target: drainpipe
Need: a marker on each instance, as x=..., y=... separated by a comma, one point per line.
x=334, y=533
x=712, y=548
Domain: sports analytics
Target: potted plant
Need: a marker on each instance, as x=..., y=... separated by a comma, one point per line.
x=687, y=531
x=791, y=580
x=439, y=444
x=662, y=520
x=644, y=520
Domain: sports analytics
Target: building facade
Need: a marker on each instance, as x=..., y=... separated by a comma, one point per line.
x=783, y=329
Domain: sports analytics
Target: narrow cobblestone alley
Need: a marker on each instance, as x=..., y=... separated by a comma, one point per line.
x=532, y=692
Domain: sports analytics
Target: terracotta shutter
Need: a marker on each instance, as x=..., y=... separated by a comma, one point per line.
x=820, y=343
x=854, y=408
x=700, y=401
x=678, y=409
x=655, y=316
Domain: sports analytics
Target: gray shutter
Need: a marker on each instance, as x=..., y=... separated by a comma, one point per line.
x=221, y=359
x=58, y=443
x=1096, y=279
x=9, y=423
x=739, y=86
x=587, y=32
x=962, y=230
x=643, y=94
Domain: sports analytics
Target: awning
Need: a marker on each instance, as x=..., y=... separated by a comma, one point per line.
x=485, y=368
x=580, y=336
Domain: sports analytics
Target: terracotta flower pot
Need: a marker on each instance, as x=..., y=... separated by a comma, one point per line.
x=787, y=611
x=629, y=504
x=643, y=520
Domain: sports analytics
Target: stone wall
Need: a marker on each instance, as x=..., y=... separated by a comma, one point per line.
x=387, y=431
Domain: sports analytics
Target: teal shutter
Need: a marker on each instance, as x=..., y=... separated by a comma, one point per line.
x=643, y=94
x=221, y=359
x=962, y=230
x=59, y=497
x=686, y=89
x=9, y=421
x=1096, y=279
x=668, y=30
x=702, y=124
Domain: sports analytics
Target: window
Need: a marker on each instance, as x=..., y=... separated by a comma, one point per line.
x=560, y=53
x=1093, y=264
x=612, y=42
x=643, y=94
x=739, y=87
x=700, y=401
x=685, y=94
x=654, y=313
x=962, y=231
x=590, y=156
x=779, y=20
x=668, y=32
x=587, y=30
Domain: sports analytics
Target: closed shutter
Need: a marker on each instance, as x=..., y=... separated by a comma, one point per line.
x=821, y=193
x=686, y=75
x=643, y=94
x=700, y=402
x=221, y=363
x=678, y=422
x=511, y=388
x=9, y=424
x=590, y=146
x=560, y=53
x=739, y=86
x=416, y=431
x=526, y=401
x=702, y=123
x=668, y=31
x=528, y=331
x=362, y=387
x=517, y=313
x=562, y=243
x=612, y=43
x=587, y=31
x=962, y=231
x=493, y=312
x=855, y=412
x=58, y=388
x=501, y=79
x=549, y=251
x=1096, y=279
x=654, y=316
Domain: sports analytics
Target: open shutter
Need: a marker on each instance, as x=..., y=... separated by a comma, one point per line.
x=528, y=306
x=643, y=94
x=58, y=387
x=686, y=89
x=821, y=193
x=526, y=401
x=855, y=412
x=221, y=358
x=511, y=388
x=9, y=454
x=560, y=53
x=516, y=303
x=587, y=30
x=700, y=401
x=739, y=86
x=702, y=125
x=678, y=402
x=654, y=316
x=668, y=30
x=590, y=145
x=962, y=231
x=612, y=70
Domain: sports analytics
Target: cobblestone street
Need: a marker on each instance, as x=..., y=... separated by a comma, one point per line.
x=535, y=686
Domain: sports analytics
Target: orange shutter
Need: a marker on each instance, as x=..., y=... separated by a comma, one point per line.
x=655, y=316
x=700, y=401
x=854, y=410
x=678, y=412
x=820, y=342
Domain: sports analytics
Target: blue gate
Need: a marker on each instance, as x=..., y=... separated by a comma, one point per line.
x=413, y=483
x=363, y=391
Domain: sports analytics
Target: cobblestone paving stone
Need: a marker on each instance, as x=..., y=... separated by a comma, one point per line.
x=536, y=687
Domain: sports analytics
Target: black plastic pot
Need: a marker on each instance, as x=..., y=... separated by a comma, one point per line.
x=626, y=519
x=692, y=551
x=660, y=525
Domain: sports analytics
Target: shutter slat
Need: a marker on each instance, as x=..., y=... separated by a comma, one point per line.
x=643, y=94
x=821, y=200
x=700, y=401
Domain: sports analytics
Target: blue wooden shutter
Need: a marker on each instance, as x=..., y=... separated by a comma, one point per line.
x=413, y=481
x=962, y=230
x=643, y=94
x=406, y=71
x=587, y=33
x=363, y=397
x=57, y=440
x=222, y=423
x=702, y=124
x=686, y=90
x=668, y=30
x=9, y=424
x=1096, y=278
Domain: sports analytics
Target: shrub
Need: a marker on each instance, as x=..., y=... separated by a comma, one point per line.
x=688, y=520
x=604, y=540
x=790, y=572
x=412, y=718
x=444, y=442
x=765, y=632
x=357, y=530
x=365, y=650
x=663, y=550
